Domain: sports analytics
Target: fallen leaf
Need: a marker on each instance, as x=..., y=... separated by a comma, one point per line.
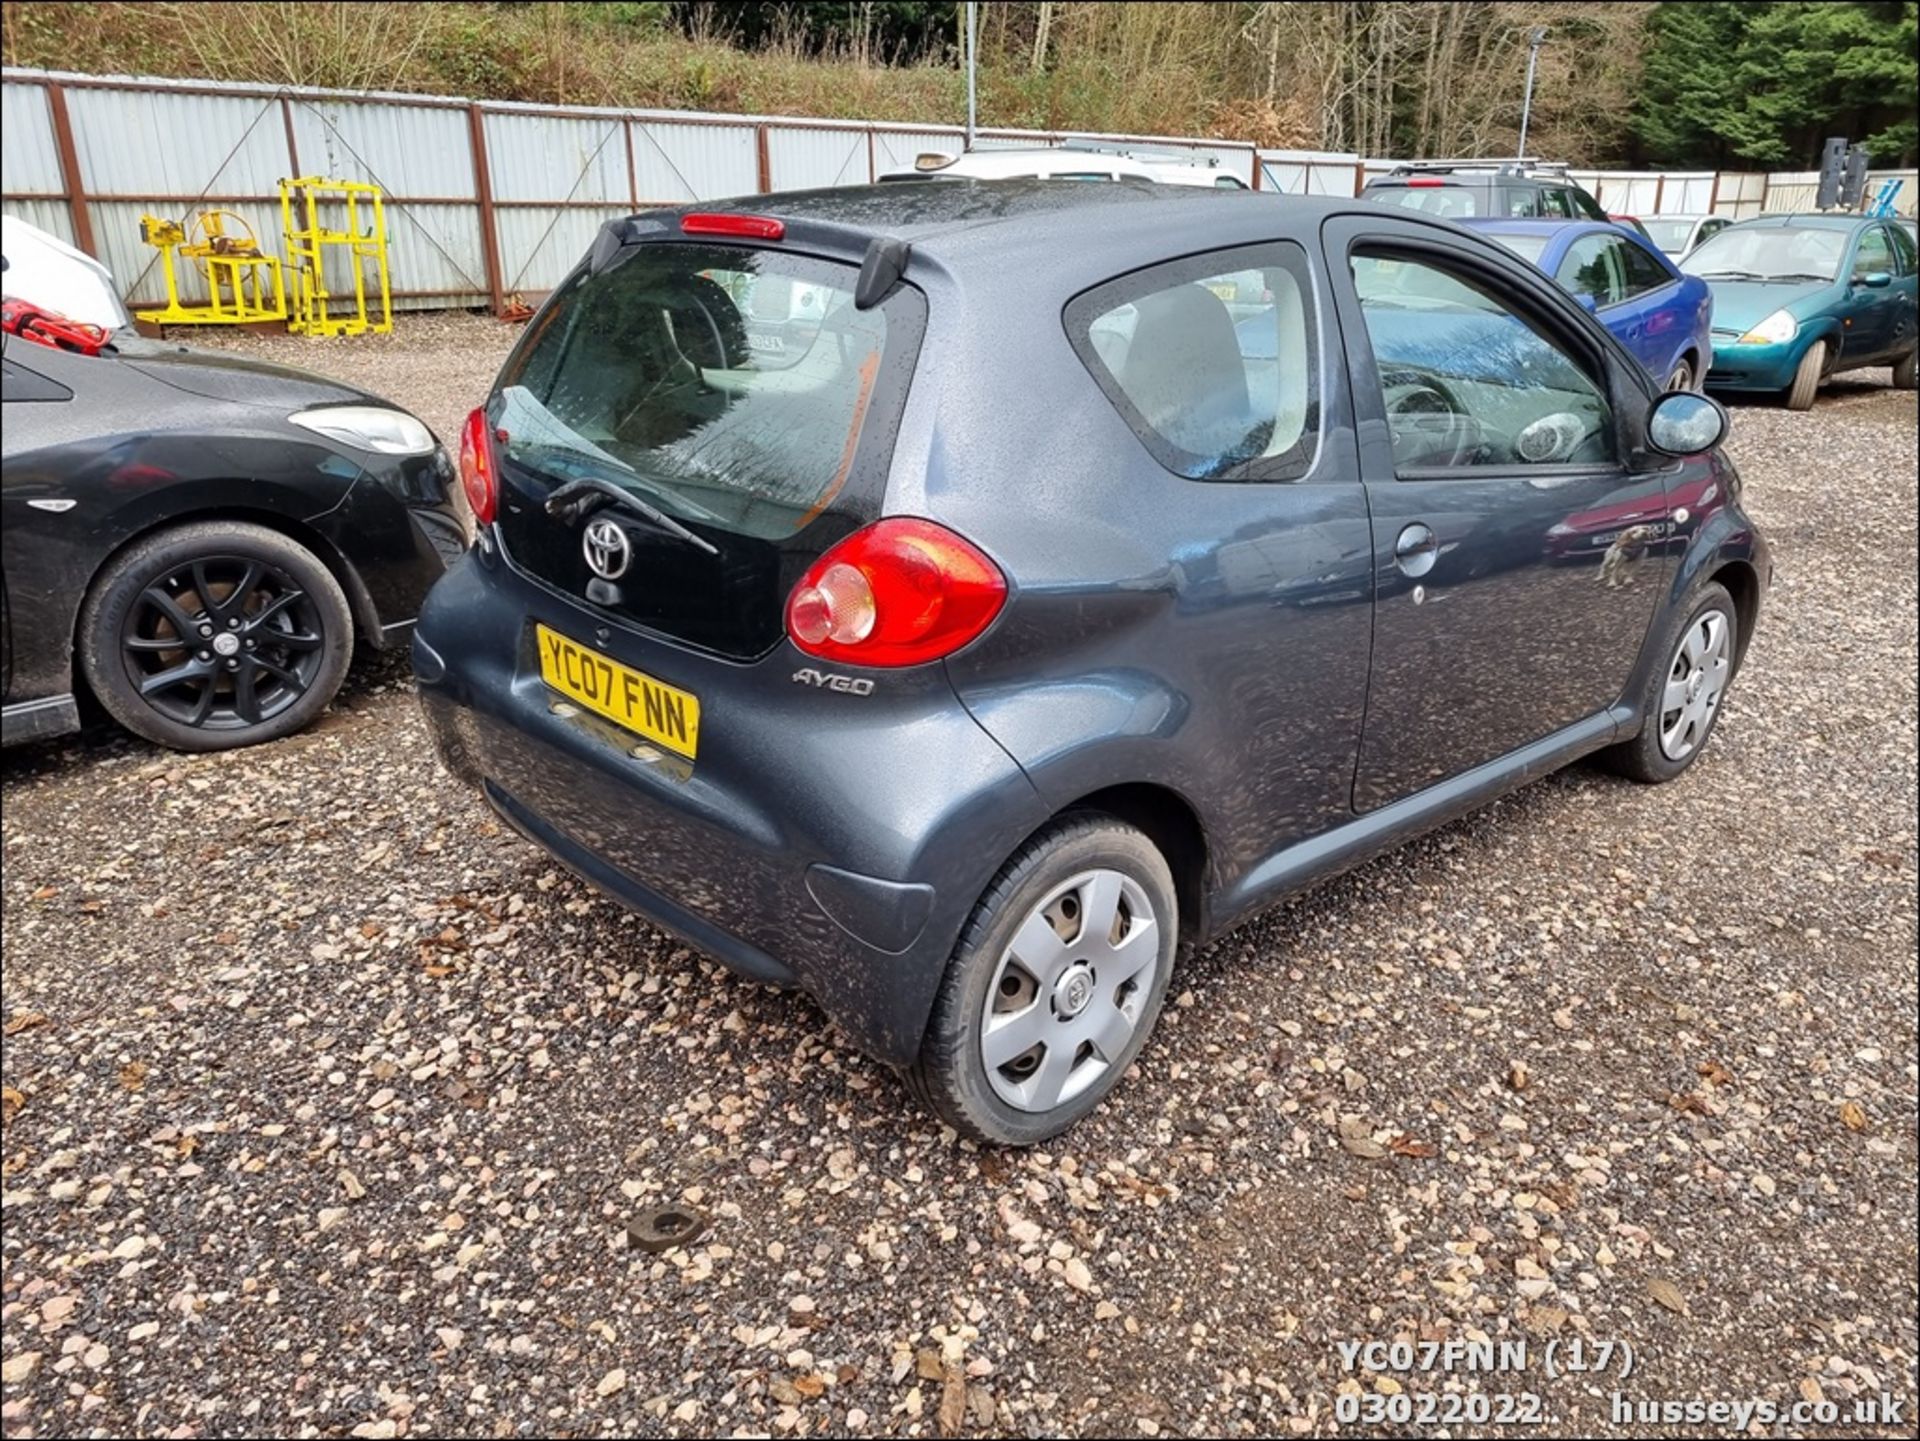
x=133, y=1075
x=10, y=1103
x=23, y=1021
x=1668, y=1295
x=1715, y=1073
x=46, y=893
x=953, y=1402
x=1853, y=1116
x=810, y=1385
x=1406, y=1146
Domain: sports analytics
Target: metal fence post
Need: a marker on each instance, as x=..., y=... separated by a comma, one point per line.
x=70, y=170
x=483, y=190
x=766, y=160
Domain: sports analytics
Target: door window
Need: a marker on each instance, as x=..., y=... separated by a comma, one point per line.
x=1904, y=248
x=1468, y=384
x=1211, y=360
x=1584, y=204
x=17, y=383
x=1643, y=272
x=1873, y=253
x=1593, y=267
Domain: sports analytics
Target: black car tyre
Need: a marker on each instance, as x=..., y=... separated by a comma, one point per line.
x=1904, y=372
x=1682, y=377
x=1806, y=379
x=214, y=635
x=1055, y=984
x=1684, y=697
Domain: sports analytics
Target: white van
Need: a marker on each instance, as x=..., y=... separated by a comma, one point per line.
x=1069, y=162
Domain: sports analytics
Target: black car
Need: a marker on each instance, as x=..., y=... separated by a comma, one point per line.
x=1495, y=189
x=195, y=538
x=1106, y=563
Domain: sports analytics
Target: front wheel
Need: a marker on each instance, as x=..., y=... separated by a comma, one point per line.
x=1806, y=379
x=1682, y=700
x=1904, y=373
x=1056, y=982
x=214, y=635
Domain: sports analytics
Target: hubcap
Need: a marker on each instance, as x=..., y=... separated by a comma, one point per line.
x=1070, y=990
x=222, y=643
x=1696, y=680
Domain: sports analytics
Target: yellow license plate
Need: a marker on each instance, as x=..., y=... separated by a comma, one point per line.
x=664, y=714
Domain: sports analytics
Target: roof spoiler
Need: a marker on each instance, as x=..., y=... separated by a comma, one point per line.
x=885, y=263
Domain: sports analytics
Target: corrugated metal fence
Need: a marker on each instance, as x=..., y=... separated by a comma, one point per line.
x=489, y=200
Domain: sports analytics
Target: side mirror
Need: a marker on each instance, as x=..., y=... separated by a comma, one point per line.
x=1874, y=280
x=1684, y=422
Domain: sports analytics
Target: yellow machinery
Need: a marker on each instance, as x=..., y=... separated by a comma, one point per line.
x=310, y=242
x=245, y=286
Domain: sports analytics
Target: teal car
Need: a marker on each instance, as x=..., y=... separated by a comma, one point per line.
x=1799, y=298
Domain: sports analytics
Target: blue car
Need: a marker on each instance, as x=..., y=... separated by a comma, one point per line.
x=1799, y=298
x=1662, y=316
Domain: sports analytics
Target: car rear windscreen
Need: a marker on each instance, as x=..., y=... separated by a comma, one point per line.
x=737, y=390
x=1450, y=202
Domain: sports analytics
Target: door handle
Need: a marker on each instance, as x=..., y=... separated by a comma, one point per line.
x=1416, y=550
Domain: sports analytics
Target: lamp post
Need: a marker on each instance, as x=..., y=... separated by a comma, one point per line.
x=1535, y=37
x=971, y=42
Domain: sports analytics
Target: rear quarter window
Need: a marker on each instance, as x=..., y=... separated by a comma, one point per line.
x=1213, y=361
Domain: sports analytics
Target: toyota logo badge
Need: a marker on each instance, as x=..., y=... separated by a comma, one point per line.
x=607, y=549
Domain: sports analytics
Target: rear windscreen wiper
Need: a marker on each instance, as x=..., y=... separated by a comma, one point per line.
x=581, y=497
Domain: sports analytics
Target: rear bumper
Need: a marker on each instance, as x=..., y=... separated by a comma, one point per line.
x=814, y=843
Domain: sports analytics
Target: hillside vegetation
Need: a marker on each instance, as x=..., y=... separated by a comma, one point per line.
x=1620, y=81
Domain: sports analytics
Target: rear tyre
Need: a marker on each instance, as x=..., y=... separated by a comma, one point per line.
x=1904, y=372
x=1682, y=377
x=1683, y=698
x=1806, y=380
x=1056, y=982
x=215, y=635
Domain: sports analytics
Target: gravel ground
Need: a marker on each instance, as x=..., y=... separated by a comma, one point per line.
x=330, y=1102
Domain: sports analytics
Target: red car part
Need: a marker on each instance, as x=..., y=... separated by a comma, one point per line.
x=50, y=328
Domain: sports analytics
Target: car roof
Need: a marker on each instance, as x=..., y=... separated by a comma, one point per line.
x=1523, y=225
x=956, y=220
x=1812, y=221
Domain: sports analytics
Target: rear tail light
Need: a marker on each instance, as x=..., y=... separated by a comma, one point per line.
x=750, y=227
x=479, y=476
x=901, y=592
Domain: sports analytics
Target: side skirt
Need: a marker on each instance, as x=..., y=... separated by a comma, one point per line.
x=1309, y=862
x=30, y=720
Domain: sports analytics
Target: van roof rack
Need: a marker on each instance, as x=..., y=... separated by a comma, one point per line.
x=1145, y=157
x=1505, y=164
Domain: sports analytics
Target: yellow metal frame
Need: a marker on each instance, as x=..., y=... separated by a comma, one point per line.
x=238, y=275
x=309, y=244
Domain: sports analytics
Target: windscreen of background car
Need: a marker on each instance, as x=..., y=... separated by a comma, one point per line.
x=738, y=390
x=1769, y=252
x=1669, y=235
x=1211, y=360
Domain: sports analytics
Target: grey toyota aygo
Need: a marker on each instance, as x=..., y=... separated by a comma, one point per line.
x=958, y=600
